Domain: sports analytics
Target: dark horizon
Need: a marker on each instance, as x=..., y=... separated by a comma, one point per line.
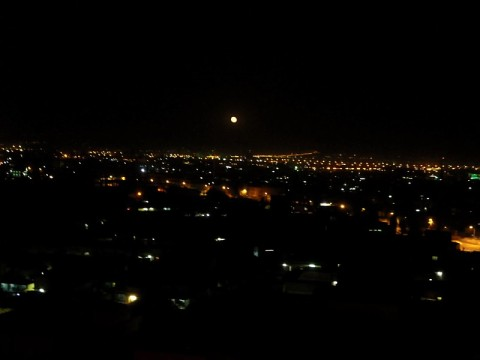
x=131, y=77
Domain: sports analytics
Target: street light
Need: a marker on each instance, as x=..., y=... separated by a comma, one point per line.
x=471, y=227
x=430, y=223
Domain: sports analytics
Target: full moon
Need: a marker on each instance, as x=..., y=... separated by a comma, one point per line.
x=233, y=119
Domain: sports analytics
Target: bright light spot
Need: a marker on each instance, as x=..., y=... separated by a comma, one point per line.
x=311, y=265
x=41, y=290
x=269, y=250
x=132, y=298
x=233, y=119
x=220, y=239
x=284, y=264
x=439, y=274
x=139, y=193
x=342, y=206
x=334, y=283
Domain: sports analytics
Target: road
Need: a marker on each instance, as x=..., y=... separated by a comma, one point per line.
x=468, y=243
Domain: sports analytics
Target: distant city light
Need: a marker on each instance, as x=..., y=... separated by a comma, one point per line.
x=132, y=298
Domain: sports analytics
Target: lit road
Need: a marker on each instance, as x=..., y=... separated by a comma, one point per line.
x=468, y=243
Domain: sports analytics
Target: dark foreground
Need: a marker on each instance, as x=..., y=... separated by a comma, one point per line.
x=254, y=325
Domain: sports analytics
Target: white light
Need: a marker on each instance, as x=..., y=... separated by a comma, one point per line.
x=181, y=304
x=41, y=290
x=132, y=298
x=439, y=274
x=233, y=119
x=220, y=239
x=269, y=250
x=334, y=283
x=312, y=265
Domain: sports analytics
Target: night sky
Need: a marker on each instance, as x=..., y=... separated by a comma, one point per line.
x=369, y=83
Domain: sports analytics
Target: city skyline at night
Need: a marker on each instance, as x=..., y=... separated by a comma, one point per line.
x=122, y=78
x=192, y=183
